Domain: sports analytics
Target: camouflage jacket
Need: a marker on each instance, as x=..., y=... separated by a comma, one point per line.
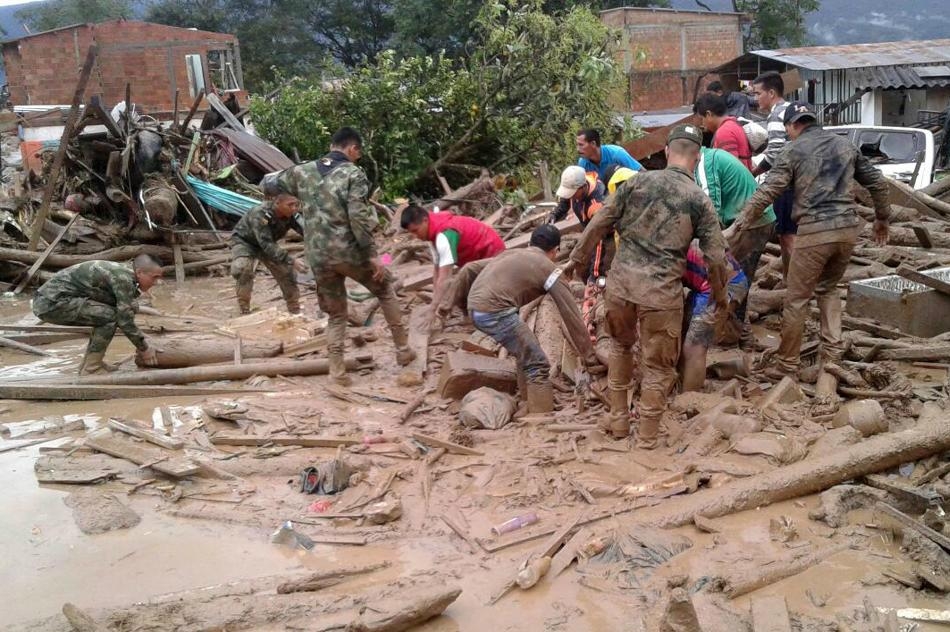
x=656, y=216
x=339, y=222
x=260, y=229
x=820, y=166
x=104, y=282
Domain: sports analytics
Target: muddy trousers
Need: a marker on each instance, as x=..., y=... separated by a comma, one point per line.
x=508, y=330
x=660, y=342
x=331, y=295
x=813, y=270
x=242, y=270
x=80, y=312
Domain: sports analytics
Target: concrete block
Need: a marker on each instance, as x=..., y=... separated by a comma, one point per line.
x=464, y=372
x=785, y=392
x=913, y=308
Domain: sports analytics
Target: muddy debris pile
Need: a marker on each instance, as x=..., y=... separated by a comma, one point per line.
x=125, y=184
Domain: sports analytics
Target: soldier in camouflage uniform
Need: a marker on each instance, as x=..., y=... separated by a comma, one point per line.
x=101, y=295
x=255, y=238
x=339, y=242
x=820, y=167
x=656, y=216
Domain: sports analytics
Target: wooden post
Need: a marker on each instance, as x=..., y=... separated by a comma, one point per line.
x=179, y=261
x=41, y=215
x=175, y=112
x=546, y=181
x=39, y=262
x=191, y=112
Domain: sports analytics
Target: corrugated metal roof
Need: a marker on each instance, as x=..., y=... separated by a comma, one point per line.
x=895, y=77
x=862, y=55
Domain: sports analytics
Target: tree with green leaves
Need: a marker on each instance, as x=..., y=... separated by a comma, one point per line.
x=53, y=14
x=529, y=82
x=271, y=32
x=776, y=23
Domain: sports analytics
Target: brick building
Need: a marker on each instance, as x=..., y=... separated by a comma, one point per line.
x=157, y=60
x=666, y=52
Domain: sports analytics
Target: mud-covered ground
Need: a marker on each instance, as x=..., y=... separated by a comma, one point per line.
x=195, y=553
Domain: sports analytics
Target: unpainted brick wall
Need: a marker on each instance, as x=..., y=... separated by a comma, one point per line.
x=675, y=45
x=43, y=69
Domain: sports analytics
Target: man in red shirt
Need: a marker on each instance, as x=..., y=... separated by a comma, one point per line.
x=727, y=133
x=454, y=240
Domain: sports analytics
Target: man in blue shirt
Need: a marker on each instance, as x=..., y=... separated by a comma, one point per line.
x=597, y=157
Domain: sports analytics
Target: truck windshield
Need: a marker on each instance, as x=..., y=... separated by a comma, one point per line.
x=888, y=147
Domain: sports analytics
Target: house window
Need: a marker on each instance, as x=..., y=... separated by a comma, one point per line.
x=221, y=69
x=196, y=74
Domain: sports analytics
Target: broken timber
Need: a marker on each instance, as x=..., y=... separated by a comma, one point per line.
x=932, y=282
x=219, y=372
x=454, y=448
x=158, y=460
x=91, y=392
x=464, y=372
x=172, y=443
x=910, y=523
x=302, y=441
x=51, y=187
x=46, y=253
x=19, y=346
x=327, y=578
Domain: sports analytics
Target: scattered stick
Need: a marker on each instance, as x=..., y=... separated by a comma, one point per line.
x=910, y=523
x=413, y=405
x=460, y=532
x=172, y=443
x=326, y=579
x=19, y=346
x=454, y=448
x=766, y=576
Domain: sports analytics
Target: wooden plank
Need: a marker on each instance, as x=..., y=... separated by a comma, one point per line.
x=172, y=443
x=415, y=371
x=179, y=264
x=46, y=328
x=155, y=458
x=348, y=540
x=40, y=220
x=282, y=440
x=770, y=614
x=873, y=328
x=460, y=532
x=42, y=259
x=40, y=338
x=916, y=525
x=9, y=446
x=923, y=235
x=453, y=448
x=90, y=392
x=913, y=275
x=225, y=113
x=191, y=112
x=923, y=352
x=19, y=346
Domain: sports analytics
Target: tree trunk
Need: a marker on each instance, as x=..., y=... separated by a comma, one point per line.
x=176, y=353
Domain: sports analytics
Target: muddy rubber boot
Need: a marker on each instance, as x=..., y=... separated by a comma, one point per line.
x=648, y=431
x=338, y=371
x=540, y=398
x=94, y=364
x=405, y=355
x=293, y=307
x=619, y=427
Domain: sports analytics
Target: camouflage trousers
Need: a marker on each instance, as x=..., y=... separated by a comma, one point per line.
x=660, y=334
x=331, y=296
x=83, y=313
x=242, y=270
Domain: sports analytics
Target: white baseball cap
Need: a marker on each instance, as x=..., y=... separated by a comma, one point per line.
x=572, y=179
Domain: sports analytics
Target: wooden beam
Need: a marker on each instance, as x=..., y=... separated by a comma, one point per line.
x=916, y=525
x=42, y=214
x=302, y=441
x=171, y=443
x=159, y=460
x=89, y=392
x=225, y=113
x=46, y=253
x=179, y=264
x=191, y=112
x=19, y=346
x=46, y=328
x=910, y=274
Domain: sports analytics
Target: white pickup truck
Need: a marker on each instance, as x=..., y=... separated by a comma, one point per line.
x=895, y=150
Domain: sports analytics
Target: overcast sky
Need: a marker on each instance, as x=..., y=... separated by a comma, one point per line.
x=6, y=3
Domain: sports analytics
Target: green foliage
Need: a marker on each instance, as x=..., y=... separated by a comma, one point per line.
x=530, y=82
x=53, y=14
x=776, y=23
x=271, y=33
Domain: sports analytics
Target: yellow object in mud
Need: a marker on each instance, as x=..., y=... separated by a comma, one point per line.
x=619, y=176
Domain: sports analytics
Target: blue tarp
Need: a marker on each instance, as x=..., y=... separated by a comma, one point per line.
x=221, y=199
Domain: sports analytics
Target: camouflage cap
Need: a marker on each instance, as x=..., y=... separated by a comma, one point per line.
x=270, y=186
x=686, y=132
